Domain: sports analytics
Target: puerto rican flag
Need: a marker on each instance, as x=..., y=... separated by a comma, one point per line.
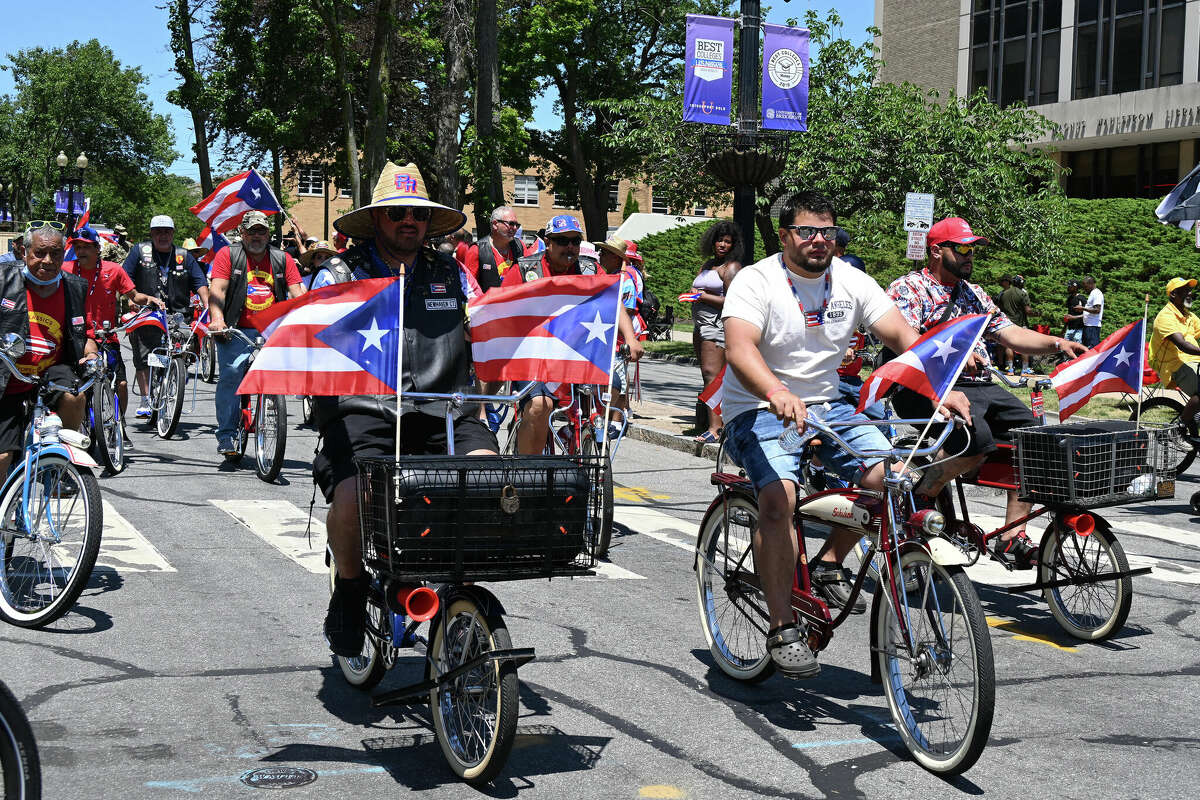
x=1114, y=365
x=712, y=394
x=689, y=297
x=222, y=210
x=215, y=243
x=87, y=213
x=200, y=325
x=337, y=340
x=144, y=319
x=556, y=329
x=933, y=363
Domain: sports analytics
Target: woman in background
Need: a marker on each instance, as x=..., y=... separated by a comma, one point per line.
x=721, y=246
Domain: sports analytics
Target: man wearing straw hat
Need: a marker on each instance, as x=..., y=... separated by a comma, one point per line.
x=393, y=229
x=1175, y=347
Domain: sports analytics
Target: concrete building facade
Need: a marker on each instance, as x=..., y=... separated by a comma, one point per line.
x=1120, y=78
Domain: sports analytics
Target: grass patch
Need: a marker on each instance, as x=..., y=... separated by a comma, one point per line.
x=670, y=348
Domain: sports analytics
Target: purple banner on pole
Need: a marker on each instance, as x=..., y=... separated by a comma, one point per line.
x=61, y=201
x=785, y=78
x=708, y=70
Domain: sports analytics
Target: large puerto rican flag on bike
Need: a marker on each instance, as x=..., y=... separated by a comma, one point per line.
x=933, y=363
x=337, y=340
x=558, y=329
x=222, y=211
x=1114, y=365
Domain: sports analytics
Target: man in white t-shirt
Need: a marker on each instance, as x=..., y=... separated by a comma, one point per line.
x=788, y=320
x=1093, y=312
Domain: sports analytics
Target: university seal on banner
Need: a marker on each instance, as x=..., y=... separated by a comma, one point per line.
x=785, y=68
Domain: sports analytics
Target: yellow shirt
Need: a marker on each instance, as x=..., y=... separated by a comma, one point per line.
x=1165, y=357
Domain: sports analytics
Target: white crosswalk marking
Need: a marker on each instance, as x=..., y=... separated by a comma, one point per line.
x=124, y=549
x=656, y=524
x=606, y=570
x=281, y=525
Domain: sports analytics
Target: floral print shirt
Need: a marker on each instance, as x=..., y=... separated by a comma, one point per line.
x=922, y=299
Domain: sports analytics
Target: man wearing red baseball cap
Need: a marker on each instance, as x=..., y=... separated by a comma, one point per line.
x=940, y=292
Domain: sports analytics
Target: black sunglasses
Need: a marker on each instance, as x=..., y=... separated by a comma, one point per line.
x=565, y=241
x=807, y=232
x=397, y=213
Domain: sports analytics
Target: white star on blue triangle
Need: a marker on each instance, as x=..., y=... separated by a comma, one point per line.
x=585, y=327
x=1122, y=360
x=368, y=336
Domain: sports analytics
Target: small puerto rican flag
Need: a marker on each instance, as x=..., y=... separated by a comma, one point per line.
x=7, y=304
x=713, y=392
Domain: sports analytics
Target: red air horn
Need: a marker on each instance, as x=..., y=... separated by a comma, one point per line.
x=419, y=602
x=1083, y=524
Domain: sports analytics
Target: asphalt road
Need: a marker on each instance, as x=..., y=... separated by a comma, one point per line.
x=195, y=656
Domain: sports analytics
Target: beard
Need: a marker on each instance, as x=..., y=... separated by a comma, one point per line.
x=255, y=248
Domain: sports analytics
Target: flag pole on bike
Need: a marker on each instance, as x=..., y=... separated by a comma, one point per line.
x=930, y=367
x=1145, y=315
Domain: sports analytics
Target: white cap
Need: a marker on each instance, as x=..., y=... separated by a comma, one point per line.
x=162, y=221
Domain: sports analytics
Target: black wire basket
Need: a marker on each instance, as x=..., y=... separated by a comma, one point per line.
x=1096, y=463
x=480, y=518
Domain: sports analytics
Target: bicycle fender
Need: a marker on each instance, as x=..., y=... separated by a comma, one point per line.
x=483, y=598
x=945, y=553
x=77, y=456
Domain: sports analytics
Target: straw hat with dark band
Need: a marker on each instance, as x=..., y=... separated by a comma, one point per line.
x=311, y=253
x=400, y=186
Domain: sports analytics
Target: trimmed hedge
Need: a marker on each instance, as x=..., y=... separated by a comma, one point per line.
x=1120, y=242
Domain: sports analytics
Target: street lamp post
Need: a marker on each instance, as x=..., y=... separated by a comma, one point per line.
x=747, y=121
x=71, y=182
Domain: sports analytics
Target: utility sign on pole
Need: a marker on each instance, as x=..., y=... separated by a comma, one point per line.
x=918, y=219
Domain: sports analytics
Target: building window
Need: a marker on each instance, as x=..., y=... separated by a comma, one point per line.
x=700, y=211
x=1148, y=170
x=614, y=197
x=345, y=194
x=1015, y=50
x=658, y=206
x=310, y=182
x=1127, y=45
x=525, y=190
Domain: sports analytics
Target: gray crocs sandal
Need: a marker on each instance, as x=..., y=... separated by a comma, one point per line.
x=791, y=652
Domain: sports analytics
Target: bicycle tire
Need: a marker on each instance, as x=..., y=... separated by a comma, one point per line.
x=208, y=360
x=306, y=410
x=1090, y=612
x=728, y=607
x=602, y=522
x=108, y=440
x=469, y=631
x=20, y=765
x=1166, y=410
x=270, y=436
x=939, y=588
x=174, y=384
x=33, y=593
x=365, y=671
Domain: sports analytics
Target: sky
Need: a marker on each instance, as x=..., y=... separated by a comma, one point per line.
x=136, y=30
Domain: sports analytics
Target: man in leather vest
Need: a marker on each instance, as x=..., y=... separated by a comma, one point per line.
x=247, y=278
x=561, y=257
x=46, y=307
x=160, y=269
x=492, y=256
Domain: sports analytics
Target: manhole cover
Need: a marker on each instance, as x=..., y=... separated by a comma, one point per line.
x=278, y=777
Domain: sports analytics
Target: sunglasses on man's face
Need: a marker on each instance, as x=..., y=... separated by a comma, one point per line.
x=564, y=241
x=961, y=249
x=512, y=223
x=807, y=232
x=397, y=213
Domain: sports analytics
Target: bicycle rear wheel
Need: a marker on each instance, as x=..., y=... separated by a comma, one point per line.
x=475, y=714
x=732, y=608
x=942, y=693
x=20, y=767
x=270, y=436
x=367, y=669
x=602, y=522
x=48, y=562
x=208, y=360
x=1166, y=411
x=170, y=404
x=1087, y=611
x=108, y=441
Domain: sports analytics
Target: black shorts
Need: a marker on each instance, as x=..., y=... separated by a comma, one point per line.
x=16, y=409
x=365, y=436
x=1187, y=380
x=995, y=411
x=143, y=341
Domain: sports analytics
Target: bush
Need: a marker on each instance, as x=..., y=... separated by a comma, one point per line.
x=1120, y=242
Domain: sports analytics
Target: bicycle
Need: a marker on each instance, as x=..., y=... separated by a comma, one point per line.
x=263, y=418
x=20, y=766
x=1165, y=409
x=51, y=518
x=168, y=366
x=929, y=640
x=431, y=527
x=103, y=422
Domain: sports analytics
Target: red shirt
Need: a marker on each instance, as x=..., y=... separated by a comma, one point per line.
x=44, y=345
x=260, y=293
x=105, y=283
x=513, y=277
x=460, y=253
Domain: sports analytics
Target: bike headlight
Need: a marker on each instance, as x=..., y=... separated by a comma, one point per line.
x=930, y=521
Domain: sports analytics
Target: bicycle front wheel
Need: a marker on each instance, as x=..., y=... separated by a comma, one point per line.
x=20, y=767
x=602, y=519
x=732, y=607
x=270, y=436
x=50, y=544
x=108, y=441
x=171, y=400
x=1088, y=611
x=1167, y=411
x=208, y=360
x=475, y=714
x=942, y=691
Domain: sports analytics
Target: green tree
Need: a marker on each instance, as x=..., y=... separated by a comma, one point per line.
x=191, y=93
x=631, y=205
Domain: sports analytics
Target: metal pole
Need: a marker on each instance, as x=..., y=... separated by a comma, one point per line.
x=747, y=122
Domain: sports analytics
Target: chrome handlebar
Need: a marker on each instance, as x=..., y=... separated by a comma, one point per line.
x=825, y=429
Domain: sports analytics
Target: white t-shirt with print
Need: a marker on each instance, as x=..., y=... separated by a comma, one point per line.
x=804, y=359
x=1095, y=298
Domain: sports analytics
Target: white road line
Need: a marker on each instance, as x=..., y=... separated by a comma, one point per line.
x=652, y=523
x=281, y=525
x=123, y=549
x=606, y=570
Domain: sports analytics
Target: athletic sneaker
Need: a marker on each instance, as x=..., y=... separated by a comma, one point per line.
x=1020, y=552
x=346, y=620
x=790, y=651
x=144, y=409
x=833, y=583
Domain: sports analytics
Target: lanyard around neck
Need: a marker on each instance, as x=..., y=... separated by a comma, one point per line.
x=812, y=319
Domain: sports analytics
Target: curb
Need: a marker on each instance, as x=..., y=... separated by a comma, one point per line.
x=684, y=444
x=686, y=360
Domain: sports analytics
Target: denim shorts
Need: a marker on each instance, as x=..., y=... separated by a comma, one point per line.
x=752, y=439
